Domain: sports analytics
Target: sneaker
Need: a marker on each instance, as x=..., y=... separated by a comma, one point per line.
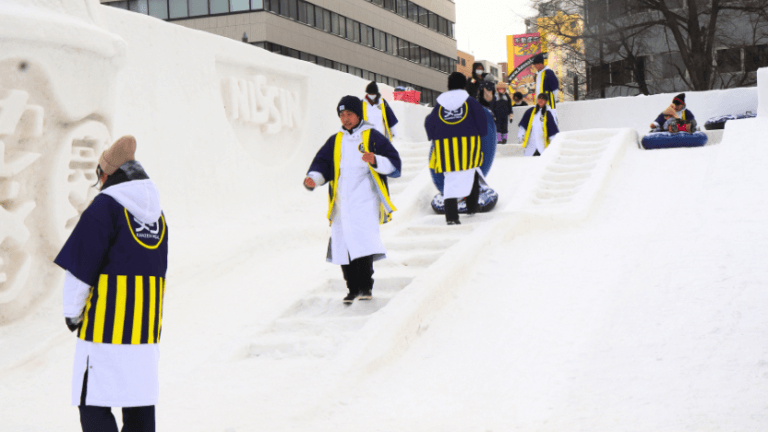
x=365, y=295
x=453, y=222
x=349, y=298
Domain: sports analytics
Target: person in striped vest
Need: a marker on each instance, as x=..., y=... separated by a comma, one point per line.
x=377, y=112
x=115, y=261
x=455, y=126
x=355, y=162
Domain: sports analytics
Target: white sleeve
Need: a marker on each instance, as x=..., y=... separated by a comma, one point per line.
x=520, y=133
x=316, y=177
x=383, y=165
x=393, y=129
x=75, y=295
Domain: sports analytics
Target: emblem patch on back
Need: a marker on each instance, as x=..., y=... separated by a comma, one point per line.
x=148, y=235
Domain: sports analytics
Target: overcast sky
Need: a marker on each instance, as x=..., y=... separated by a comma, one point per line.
x=482, y=26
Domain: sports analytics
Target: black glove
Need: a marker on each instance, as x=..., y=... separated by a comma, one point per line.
x=73, y=323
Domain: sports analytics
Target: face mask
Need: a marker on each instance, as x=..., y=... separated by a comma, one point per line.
x=478, y=71
x=371, y=95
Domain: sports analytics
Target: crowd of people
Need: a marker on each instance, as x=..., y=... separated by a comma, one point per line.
x=539, y=123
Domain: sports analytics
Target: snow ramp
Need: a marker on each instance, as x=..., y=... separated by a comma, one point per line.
x=428, y=260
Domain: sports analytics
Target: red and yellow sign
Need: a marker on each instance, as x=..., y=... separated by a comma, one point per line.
x=520, y=51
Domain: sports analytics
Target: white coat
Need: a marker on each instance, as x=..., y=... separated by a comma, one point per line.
x=355, y=214
x=118, y=375
x=376, y=119
x=536, y=140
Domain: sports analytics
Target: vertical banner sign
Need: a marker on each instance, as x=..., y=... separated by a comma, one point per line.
x=522, y=76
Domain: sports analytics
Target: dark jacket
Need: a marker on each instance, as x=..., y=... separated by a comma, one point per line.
x=502, y=108
x=473, y=83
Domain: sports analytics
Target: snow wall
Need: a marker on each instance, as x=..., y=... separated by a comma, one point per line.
x=638, y=112
x=223, y=127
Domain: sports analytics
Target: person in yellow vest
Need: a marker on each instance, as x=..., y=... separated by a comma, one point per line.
x=377, y=112
x=537, y=127
x=547, y=82
x=355, y=162
x=115, y=261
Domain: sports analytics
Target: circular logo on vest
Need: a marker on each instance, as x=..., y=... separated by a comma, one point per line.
x=454, y=116
x=148, y=235
x=361, y=147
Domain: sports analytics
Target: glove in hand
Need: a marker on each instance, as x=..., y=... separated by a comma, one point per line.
x=73, y=323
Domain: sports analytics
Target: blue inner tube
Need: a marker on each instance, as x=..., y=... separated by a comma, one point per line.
x=661, y=140
x=486, y=202
x=487, y=146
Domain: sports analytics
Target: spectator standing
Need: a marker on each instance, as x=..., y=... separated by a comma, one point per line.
x=502, y=112
x=473, y=83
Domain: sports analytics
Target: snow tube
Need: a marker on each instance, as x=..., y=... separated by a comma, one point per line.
x=486, y=202
x=661, y=140
x=718, y=122
x=487, y=146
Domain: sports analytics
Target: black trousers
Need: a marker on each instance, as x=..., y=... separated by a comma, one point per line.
x=359, y=274
x=100, y=419
x=452, y=204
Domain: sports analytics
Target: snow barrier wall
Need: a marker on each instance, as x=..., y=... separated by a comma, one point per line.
x=223, y=127
x=638, y=112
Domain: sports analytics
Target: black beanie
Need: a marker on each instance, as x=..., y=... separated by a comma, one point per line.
x=350, y=103
x=679, y=98
x=538, y=59
x=372, y=88
x=457, y=81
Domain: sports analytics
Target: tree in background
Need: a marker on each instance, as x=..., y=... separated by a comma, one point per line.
x=654, y=46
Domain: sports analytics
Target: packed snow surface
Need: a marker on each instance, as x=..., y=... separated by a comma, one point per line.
x=612, y=288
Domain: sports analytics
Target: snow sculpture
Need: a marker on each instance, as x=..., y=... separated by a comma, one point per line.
x=58, y=71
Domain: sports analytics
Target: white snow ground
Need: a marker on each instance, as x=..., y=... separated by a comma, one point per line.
x=612, y=289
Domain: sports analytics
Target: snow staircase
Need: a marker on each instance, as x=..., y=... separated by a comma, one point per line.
x=430, y=258
x=413, y=156
x=317, y=325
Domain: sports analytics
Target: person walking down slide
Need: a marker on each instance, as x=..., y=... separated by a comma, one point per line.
x=537, y=127
x=355, y=162
x=377, y=112
x=547, y=83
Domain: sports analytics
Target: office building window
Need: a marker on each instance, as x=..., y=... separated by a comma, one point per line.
x=158, y=8
x=219, y=6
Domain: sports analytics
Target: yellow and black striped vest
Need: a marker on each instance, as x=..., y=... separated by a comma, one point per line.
x=124, y=309
x=456, y=154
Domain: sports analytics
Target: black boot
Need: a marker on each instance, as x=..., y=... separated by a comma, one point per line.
x=451, y=211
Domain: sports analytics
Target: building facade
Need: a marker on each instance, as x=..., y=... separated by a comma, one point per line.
x=396, y=42
x=464, y=63
x=654, y=63
x=492, y=68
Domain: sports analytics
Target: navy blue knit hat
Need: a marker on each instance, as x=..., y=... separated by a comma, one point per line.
x=538, y=59
x=350, y=103
x=457, y=81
